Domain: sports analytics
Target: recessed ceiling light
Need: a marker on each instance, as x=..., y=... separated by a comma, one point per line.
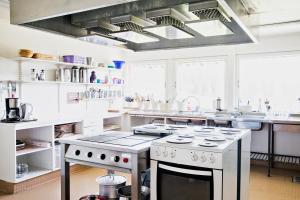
x=209, y=28
x=169, y=32
x=135, y=37
x=97, y=39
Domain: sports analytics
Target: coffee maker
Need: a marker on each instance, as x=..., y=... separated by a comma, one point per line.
x=12, y=106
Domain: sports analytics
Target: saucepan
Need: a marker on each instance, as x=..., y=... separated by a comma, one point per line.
x=109, y=185
x=125, y=193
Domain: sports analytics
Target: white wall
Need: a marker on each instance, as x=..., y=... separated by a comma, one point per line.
x=46, y=98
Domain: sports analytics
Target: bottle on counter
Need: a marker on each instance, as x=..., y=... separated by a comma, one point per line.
x=42, y=75
x=75, y=75
x=33, y=75
x=67, y=75
x=93, y=77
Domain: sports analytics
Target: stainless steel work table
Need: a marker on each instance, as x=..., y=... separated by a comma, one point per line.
x=139, y=154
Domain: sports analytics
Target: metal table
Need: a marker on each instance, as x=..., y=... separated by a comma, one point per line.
x=142, y=159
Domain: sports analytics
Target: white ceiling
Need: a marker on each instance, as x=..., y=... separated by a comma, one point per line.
x=4, y=3
x=274, y=11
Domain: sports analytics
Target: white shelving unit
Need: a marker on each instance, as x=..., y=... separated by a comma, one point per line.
x=29, y=149
x=41, y=160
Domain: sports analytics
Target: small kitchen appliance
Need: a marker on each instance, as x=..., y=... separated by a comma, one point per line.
x=12, y=110
x=26, y=110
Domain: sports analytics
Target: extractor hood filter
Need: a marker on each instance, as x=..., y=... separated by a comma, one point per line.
x=169, y=24
x=210, y=10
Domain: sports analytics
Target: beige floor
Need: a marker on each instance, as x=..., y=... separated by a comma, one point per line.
x=278, y=187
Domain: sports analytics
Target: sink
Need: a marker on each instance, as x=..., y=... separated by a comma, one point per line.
x=249, y=121
x=250, y=117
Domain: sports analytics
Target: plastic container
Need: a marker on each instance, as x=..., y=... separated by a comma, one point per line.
x=74, y=59
x=119, y=64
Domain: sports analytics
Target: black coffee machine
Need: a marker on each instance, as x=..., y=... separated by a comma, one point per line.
x=12, y=106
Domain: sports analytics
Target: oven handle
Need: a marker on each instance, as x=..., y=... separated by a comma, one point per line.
x=185, y=171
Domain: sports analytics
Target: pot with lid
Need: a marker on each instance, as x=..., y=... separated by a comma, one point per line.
x=108, y=185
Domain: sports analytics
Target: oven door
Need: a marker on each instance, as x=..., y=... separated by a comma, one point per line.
x=178, y=182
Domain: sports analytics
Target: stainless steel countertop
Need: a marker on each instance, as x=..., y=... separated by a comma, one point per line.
x=126, y=149
x=211, y=116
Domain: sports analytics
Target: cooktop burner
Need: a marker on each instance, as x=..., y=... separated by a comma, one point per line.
x=120, y=139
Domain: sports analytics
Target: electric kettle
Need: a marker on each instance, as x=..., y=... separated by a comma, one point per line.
x=26, y=110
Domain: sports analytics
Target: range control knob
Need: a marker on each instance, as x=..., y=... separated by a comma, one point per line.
x=212, y=159
x=203, y=158
x=173, y=154
x=125, y=160
x=77, y=152
x=165, y=153
x=194, y=157
x=89, y=154
x=117, y=159
x=103, y=156
x=157, y=152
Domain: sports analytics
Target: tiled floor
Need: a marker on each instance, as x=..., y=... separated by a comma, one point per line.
x=278, y=187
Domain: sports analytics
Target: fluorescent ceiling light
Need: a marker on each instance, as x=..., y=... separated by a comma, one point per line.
x=134, y=37
x=97, y=39
x=210, y=28
x=169, y=32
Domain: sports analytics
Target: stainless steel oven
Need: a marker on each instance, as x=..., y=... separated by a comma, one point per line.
x=171, y=181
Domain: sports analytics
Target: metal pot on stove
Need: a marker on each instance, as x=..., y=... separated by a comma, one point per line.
x=109, y=185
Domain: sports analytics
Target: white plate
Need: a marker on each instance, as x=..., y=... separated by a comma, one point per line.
x=208, y=144
x=216, y=138
x=202, y=130
x=228, y=133
x=180, y=140
x=186, y=135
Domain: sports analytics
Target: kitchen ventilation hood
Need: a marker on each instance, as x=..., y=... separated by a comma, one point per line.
x=139, y=24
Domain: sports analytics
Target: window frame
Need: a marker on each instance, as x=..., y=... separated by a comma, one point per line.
x=239, y=57
x=227, y=75
x=139, y=62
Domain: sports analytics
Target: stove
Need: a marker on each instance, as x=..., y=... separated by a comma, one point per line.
x=113, y=150
x=160, y=130
x=206, y=163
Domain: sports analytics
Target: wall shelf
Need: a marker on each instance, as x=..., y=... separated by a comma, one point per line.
x=54, y=62
x=67, y=83
x=32, y=173
x=110, y=127
x=31, y=149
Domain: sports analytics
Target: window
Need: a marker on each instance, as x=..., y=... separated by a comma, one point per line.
x=201, y=78
x=274, y=77
x=147, y=79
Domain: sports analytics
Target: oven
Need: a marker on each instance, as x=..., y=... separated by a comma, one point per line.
x=181, y=182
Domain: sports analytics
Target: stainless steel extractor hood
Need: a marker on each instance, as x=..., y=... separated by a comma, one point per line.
x=139, y=24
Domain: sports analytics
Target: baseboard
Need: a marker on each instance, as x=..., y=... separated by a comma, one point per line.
x=12, y=188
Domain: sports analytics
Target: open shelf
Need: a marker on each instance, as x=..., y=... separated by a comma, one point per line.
x=110, y=127
x=294, y=160
x=33, y=172
x=66, y=83
x=54, y=62
x=31, y=149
